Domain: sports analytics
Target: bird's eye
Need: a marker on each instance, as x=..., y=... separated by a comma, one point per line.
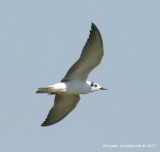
x=95, y=85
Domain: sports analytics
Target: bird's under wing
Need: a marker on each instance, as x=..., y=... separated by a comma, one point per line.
x=90, y=57
x=63, y=105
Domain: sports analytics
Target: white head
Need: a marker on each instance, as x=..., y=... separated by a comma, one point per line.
x=95, y=86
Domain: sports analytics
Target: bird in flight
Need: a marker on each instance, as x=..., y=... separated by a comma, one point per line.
x=67, y=92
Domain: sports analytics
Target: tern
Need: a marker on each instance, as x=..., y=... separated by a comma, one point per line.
x=67, y=92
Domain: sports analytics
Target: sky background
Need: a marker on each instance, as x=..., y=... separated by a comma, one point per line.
x=41, y=39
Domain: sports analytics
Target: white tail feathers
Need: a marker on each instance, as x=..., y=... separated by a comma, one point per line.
x=53, y=89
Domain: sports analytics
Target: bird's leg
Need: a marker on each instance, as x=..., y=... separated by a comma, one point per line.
x=53, y=93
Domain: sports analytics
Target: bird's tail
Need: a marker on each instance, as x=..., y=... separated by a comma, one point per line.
x=43, y=90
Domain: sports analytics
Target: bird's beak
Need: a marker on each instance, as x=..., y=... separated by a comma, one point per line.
x=103, y=88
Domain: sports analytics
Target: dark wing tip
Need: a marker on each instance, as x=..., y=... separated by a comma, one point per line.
x=44, y=124
x=49, y=121
x=96, y=33
x=93, y=25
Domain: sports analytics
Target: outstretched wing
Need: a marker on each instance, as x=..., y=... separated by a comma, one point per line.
x=63, y=105
x=91, y=56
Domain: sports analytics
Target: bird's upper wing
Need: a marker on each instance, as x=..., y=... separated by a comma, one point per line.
x=90, y=57
x=63, y=105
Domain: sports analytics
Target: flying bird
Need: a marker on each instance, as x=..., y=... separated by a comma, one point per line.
x=67, y=92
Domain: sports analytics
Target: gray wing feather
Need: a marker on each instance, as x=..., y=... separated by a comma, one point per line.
x=90, y=57
x=63, y=105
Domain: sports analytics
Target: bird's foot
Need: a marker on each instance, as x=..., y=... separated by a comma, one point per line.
x=53, y=93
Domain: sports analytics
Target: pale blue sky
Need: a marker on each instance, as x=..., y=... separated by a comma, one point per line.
x=41, y=39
